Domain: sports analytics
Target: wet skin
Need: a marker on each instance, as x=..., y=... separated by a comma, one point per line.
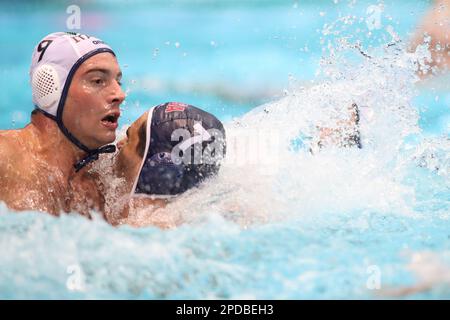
x=36, y=167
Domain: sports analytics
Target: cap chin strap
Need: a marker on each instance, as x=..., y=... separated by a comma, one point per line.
x=92, y=154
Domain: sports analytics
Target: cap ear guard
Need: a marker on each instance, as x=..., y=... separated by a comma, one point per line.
x=45, y=88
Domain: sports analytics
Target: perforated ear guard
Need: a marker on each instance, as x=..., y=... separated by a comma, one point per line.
x=45, y=87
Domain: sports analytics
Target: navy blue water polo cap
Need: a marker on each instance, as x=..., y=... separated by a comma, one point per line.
x=184, y=146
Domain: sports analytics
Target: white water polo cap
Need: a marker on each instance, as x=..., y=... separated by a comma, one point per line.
x=54, y=62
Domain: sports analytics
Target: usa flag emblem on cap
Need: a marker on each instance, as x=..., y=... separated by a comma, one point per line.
x=175, y=106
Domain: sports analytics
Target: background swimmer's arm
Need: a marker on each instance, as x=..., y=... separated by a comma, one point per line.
x=436, y=24
x=345, y=134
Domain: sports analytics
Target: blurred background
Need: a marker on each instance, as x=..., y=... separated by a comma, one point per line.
x=226, y=56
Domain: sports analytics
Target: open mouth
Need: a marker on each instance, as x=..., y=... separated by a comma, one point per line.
x=111, y=120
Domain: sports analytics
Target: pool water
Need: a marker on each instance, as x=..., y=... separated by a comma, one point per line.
x=342, y=223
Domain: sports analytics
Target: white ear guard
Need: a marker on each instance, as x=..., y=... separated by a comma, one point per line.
x=46, y=89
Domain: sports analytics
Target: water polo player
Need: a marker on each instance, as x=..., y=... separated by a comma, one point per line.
x=75, y=81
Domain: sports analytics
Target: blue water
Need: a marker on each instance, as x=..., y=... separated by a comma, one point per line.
x=250, y=50
x=318, y=226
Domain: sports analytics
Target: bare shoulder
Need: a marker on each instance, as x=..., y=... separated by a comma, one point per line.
x=12, y=154
x=7, y=154
x=8, y=162
x=8, y=137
